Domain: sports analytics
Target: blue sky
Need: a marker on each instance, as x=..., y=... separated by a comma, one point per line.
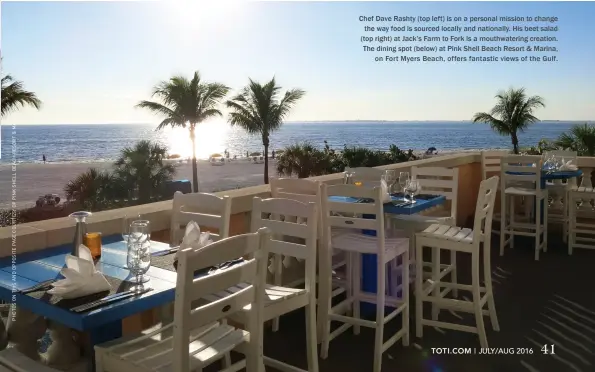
x=92, y=62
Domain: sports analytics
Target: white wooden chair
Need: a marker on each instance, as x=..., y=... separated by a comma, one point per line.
x=581, y=234
x=558, y=211
x=305, y=191
x=11, y=360
x=208, y=210
x=198, y=337
x=458, y=239
x=282, y=300
x=354, y=243
x=491, y=166
x=529, y=174
x=437, y=181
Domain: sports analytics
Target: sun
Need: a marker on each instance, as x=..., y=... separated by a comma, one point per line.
x=211, y=137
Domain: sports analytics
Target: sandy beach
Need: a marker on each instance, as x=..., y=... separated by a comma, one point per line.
x=33, y=180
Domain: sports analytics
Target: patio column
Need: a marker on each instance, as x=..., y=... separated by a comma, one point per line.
x=24, y=330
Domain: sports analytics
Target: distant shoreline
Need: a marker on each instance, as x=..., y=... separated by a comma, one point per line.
x=90, y=162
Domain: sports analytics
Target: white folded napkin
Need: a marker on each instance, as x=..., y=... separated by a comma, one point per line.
x=385, y=194
x=81, y=278
x=193, y=238
x=568, y=166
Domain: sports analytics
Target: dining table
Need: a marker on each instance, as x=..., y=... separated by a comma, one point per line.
x=23, y=271
x=549, y=175
x=394, y=206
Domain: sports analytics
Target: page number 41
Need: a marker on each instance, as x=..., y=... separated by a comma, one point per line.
x=548, y=349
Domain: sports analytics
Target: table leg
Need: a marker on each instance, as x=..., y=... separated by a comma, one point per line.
x=106, y=332
x=24, y=329
x=64, y=352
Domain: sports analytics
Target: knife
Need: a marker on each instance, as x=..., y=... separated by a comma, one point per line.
x=109, y=299
x=165, y=252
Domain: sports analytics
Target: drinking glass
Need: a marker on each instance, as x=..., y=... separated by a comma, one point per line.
x=412, y=188
x=403, y=178
x=390, y=176
x=139, y=253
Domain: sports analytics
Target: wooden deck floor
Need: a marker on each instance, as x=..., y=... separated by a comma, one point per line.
x=548, y=302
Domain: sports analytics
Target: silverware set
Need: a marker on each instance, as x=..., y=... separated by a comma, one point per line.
x=42, y=286
x=109, y=300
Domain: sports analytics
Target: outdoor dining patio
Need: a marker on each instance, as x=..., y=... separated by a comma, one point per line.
x=368, y=270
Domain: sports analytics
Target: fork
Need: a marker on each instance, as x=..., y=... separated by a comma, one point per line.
x=38, y=287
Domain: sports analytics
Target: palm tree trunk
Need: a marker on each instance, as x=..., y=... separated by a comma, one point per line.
x=194, y=165
x=515, y=143
x=266, y=164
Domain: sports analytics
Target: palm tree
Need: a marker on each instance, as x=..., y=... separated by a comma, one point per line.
x=512, y=114
x=142, y=171
x=580, y=139
x=14, y=96
x=303, y=160
x=92, y=189
x=186, y=103
x=258, y=110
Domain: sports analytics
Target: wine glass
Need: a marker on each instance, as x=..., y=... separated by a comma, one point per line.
x=126, y=222
x=347, y=177
x=139, y=253
x=390, y=176
x=403, y=178
x=412, y=188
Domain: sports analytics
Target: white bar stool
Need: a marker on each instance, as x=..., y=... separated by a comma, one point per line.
x=459, y=240
x=517, y=169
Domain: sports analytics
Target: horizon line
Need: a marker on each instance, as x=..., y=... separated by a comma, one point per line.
x=326, y=121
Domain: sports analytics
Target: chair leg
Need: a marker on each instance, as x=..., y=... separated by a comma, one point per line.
x=571, y=223
x=545, y=224
x=418, y=291
x=503, y=227
x=311, y=343
x=487, y=274
x=483, y=340
x=357, y=280
x=405, y=296
x=453, y=273
x=380, y=303
x=537, y=228
x=435, y=275
x=278, y=279
x=511, y=223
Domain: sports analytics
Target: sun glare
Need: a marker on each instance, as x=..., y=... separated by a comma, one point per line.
x=210, y=139
x=196, y=13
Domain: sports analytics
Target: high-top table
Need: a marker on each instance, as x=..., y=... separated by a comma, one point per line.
x=104, y=323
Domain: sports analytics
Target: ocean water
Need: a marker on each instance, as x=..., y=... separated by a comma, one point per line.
x=85, y=143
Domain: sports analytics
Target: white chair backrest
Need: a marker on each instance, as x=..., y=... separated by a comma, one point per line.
x=338, y=213
x=207, y=210
x=484, y=209
x=491, y=163
x=370, y=177
x=251, y=274
x=519, y=168
x=302, y=190
x=439, y=181
x=566, y=154
x=290, y=218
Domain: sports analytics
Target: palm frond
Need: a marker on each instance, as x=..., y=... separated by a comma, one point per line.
x=14, y=96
